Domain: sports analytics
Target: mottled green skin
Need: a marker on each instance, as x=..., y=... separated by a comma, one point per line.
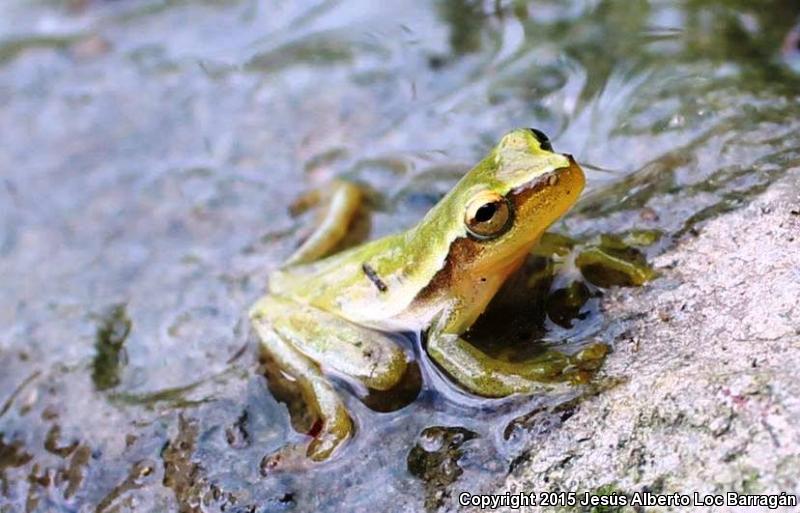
x=435, y=277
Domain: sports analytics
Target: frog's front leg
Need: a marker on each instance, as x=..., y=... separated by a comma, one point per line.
x=490, y=377
x=302, y=338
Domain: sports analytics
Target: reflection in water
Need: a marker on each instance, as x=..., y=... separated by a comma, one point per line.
x=151, y=151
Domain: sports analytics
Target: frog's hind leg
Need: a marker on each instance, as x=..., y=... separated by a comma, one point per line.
x=315, y=388
x=298, y=336
x=343, y=201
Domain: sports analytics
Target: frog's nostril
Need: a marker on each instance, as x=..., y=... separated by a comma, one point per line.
x=544, y=141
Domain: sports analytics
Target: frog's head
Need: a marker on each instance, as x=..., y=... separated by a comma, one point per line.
x=521, y=188
x=500, y=208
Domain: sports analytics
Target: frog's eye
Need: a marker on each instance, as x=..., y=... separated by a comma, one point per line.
x=544, y=141
x=488, y=215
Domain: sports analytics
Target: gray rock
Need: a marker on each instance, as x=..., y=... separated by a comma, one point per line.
x=702, y=393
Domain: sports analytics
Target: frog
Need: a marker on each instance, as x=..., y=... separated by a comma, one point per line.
x=334, y=314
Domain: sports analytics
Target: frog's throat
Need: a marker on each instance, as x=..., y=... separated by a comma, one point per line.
x=469, y=278
x=462, y=250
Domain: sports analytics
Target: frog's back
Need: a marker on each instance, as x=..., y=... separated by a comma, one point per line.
x=309, y=280
x=369, y=284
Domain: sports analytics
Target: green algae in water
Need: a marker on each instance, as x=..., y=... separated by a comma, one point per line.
x=13, y=48
x=114, y=328
x=434, y=459
x=12, y=455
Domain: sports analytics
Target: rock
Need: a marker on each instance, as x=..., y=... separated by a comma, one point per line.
x=706, y=398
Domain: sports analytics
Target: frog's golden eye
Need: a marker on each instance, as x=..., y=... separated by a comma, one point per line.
x=488, y=215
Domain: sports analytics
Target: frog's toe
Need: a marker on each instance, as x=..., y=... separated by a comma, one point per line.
x=329, y=435
x=333, y=432
x=590, y=357
x=387, y=371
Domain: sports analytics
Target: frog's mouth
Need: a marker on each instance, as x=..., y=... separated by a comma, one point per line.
x=551, y=193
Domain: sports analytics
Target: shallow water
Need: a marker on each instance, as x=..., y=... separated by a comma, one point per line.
x=150, y=151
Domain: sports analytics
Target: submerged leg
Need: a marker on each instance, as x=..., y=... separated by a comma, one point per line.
x=317, y=392
x=490, y=377
x=301, y=338
x=343, y=201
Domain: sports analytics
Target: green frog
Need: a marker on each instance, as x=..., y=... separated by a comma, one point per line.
x=332, y=314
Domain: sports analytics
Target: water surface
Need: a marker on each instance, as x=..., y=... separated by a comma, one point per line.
x=150, y=151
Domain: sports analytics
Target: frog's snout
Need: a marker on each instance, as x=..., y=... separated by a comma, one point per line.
x=573, y=176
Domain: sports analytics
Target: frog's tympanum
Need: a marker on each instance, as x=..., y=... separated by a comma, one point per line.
x=333, y=314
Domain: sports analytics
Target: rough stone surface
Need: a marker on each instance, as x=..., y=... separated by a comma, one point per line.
x=704, y=394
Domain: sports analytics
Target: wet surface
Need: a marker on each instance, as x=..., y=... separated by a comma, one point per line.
x=152, y=150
